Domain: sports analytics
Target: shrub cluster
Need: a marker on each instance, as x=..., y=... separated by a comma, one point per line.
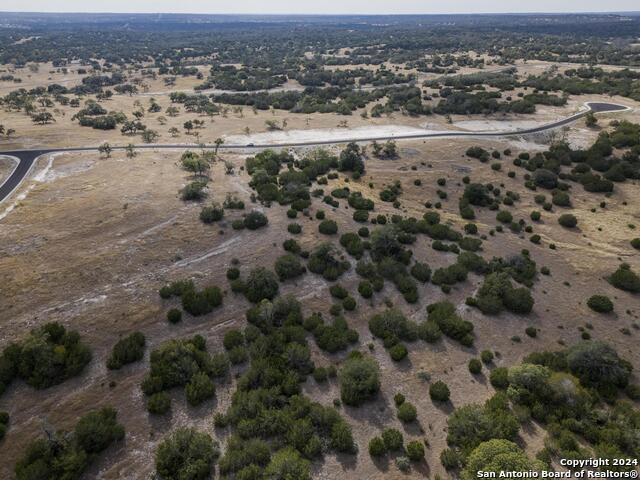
x=393, y=327
x=67, y=455
x=497, y=293
x=332, y=337
x=49, y=355
x=186, y=450
x=625, y=279
x=185, y=363
x=127, y=350
x=359, y=380
x=600, y=304
x=443, y=316
x=194, y=301
x=323, y=261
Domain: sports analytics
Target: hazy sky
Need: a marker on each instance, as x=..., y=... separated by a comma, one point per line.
x=302, y=6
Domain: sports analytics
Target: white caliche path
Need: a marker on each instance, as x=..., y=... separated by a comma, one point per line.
x=309, y=138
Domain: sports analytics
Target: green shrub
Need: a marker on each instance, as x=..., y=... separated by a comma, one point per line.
x=635, y=243
x=68, y=455
x=335, y=337
x=320, y=374
x=361, y=216
x=561, y=199
x=568, y=220
x=499, y=378
x=338, y=291
x=377, y=447
x=199, y=389
x=535, y=216
x=393, y=440
x=486, y=356
x=504, y=216
x=429, y=332
x=439, y=391
x=625, y=279
x=450, y=459
x=238, y=224
x=186, y=450
x=531, y=332
x=201, y=302
x=352, y=244
x=444, y=315
x=475, y=366
x=288, y=266
x=328, y=227
x=286, y=463
x=407, y=412
x=600, y=304
x=498, y=455
x=398, y=352
x=294, y=228
x=597, y=364
x=127, y=350
x=471, y=424
x=470, y=244
x=96, y=430
x=232, y=339
x=359, y=380
x=450, y=275
x=175, y=362
x=211, y=214
x=261, y=284
x=365, y=289
x=193, y=191
x=497, y=293
x=159, y=403
x=174, y=315
x=393, y=323
x=478, y=153
x=323, y=261
x=471, y=229
x=421, y=272
x=49, y=355
x=415, y=451
x=238, y=355
x=255, y=220
x=545, y=179
x=349, y=304
x=291, y=246
x=342, y=438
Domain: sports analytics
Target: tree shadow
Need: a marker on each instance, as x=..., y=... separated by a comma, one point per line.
x=414, y=428
x=161, y=422
x=347, y=461
x=423, y=468
x=404, y=365
x=445, y=407
x=382, y=463
x=375, y=412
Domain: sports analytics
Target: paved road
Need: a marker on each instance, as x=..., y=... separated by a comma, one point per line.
x=26, y=158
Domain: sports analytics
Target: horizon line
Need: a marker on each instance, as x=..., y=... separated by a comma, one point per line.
x=318, y=14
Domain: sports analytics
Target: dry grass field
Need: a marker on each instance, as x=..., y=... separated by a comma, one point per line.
x=88, y=240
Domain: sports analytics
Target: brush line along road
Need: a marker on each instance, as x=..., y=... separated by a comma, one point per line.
x=26, y=158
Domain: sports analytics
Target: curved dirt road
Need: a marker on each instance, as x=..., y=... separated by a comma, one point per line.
x=27, y=158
